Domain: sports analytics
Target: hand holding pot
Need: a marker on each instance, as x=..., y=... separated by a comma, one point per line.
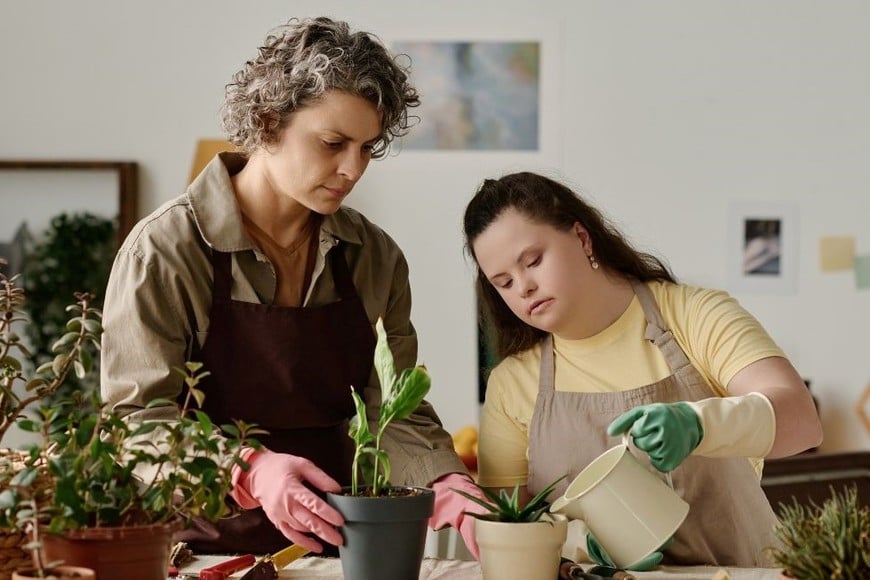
x=276, y=482
x=667, y=432
x=450, y=508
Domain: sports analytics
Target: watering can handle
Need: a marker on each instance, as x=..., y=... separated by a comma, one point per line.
x=626, y=440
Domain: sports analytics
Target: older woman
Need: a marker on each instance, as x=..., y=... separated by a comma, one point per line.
x=258, y=271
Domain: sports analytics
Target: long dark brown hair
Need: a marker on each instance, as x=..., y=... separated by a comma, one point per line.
x=545, y=201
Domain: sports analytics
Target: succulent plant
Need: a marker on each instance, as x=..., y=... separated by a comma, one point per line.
x=505, y=507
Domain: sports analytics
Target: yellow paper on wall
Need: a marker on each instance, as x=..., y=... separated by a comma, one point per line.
x=836, y=253
x=206, y=149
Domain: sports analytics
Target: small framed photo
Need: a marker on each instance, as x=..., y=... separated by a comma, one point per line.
x=763, y=247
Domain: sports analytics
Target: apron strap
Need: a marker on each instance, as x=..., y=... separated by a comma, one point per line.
x=546, y=382
x=341, y=274
x=656, y=331
x=222, y=266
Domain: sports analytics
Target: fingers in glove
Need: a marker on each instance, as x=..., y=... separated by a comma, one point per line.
x=647, y=563
x=466, y=530
x=300, y=539
x=305, y=504
x=624, y=422
x=317, y=477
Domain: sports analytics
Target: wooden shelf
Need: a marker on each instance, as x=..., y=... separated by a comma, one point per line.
x=808, y=477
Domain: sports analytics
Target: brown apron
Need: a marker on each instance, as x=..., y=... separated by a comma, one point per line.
x=289, y=370
x=730, y=521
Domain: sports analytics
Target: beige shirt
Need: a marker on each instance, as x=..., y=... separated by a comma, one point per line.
x=159, y=297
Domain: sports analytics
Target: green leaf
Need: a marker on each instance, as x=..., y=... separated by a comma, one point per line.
x=59, y=363
x=10, y=362
x=384, y=364
x=412, y=388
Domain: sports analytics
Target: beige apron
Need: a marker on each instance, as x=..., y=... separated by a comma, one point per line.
x=730, y=521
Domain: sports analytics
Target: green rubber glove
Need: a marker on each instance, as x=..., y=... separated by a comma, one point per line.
x=667, y=432
x=602, y=558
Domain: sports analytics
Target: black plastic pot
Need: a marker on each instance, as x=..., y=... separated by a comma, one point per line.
x=384, y=537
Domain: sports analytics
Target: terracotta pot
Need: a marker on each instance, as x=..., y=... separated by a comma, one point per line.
x=58, y=572
x=521, y=551
x=384, y=537
x=131, y=553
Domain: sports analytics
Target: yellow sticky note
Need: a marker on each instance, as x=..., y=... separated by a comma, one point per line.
x=836, y=253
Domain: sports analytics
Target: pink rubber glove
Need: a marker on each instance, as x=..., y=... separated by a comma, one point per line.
x=450, y=507
x=275, y=483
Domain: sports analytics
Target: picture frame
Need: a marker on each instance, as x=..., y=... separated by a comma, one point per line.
x=33, y=191
x=763, y=243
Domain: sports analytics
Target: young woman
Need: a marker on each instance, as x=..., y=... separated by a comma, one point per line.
x=259, y=272
x=599, y=339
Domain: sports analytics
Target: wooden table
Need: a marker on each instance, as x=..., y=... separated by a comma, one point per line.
x=438, y=569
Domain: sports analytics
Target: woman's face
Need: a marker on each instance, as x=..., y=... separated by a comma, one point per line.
x=539, y=271
x=323, y=151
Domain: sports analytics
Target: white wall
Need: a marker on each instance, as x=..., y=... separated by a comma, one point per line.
x=663, y=112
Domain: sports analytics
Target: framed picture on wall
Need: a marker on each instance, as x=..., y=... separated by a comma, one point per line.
x=35, y=193
x=763, y=244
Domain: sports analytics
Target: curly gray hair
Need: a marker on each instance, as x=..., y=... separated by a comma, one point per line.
x=301, y=61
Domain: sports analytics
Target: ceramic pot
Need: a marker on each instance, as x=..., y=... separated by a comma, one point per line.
x=521, y=551
x=131, y=553
x=384, y=537
x=57, y=572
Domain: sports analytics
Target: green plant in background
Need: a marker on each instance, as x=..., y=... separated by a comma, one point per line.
x=75, y=252
x=831, y=541
x=505, y=507
x=400, y=396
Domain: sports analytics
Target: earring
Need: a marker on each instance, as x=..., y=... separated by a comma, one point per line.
x=593, y=262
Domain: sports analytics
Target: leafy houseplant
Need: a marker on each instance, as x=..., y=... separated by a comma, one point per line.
x=94, y=479
x=381, y=518
x=400, y=397
x=521, y=542
x=831, y=541
x=111, y=479
x=19, y=388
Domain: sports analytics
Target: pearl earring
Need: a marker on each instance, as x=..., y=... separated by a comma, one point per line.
x=593, y=262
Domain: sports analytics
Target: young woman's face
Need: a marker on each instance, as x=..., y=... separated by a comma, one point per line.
x=324, y=150
x=539, y=271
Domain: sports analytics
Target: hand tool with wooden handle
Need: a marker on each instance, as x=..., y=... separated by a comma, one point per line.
x=267, y=567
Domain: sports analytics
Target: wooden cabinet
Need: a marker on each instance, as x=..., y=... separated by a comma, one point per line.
x=810, y=476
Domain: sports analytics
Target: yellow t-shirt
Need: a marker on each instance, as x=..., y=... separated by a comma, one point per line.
x=717, y=334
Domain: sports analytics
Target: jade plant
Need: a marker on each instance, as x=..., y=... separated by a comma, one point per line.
x=93, y=463
x=505, y=506
x=827, y=541
x=400, y=396
x=72, y=350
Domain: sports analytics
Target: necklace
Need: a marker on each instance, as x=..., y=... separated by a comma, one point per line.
x=304, y=235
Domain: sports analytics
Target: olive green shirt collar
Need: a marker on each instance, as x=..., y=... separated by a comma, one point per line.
x=218, y=217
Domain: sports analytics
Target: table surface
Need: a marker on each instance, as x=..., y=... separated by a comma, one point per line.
x=439, y=569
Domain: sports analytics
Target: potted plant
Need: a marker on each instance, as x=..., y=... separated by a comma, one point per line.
x=518, y=542
x=41, y=568
x=380, y=518
x=104, y=492
x=831, y=541
x=20, y=387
